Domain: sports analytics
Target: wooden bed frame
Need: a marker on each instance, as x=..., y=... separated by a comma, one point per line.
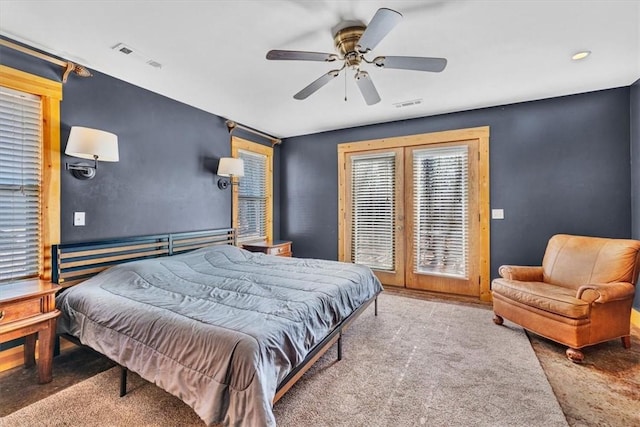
x=76, y=262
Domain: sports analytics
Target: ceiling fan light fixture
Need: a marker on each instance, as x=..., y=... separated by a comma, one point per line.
x=581, y=55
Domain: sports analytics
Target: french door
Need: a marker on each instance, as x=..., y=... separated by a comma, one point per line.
x=376, y=217
x=442, y=219
x=414, y=215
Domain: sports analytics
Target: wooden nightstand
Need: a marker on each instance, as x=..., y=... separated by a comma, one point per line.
x=28, y=308
x=276, y=247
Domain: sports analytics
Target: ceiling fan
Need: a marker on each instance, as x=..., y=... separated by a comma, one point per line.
x=354, y=40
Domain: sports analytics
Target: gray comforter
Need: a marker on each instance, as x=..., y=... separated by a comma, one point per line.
x=219, y=327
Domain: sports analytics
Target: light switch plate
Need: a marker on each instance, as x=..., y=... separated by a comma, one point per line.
x=497, y=213
x=78, y=219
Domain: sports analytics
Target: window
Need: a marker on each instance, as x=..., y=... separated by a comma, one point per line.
x=20, y=184
x=29, y=174
x=253, y=200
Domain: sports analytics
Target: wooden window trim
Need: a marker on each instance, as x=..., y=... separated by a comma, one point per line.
x=478, y=133
x=243, y=144
x=51, y=94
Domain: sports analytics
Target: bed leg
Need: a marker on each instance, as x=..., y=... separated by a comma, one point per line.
x=340, y=347
x=56, y=346
x=123, y=381
x=375, y=306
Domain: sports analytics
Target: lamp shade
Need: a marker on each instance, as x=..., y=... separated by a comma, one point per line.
x=230, y=166
x=86, y=143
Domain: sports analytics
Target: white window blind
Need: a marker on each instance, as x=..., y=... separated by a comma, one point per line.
x=373, y=210
x=252, y=197
x=20, y=167
x=440, y=208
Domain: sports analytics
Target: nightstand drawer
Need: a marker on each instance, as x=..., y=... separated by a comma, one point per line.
x=279, y=250
x=19, y=310
x=276, y=248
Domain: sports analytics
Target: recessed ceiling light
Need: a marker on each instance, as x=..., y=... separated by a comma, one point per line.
x=581, y=55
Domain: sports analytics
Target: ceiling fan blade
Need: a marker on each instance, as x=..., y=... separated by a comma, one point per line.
x=317, y=84
x=296, y=55
x=368, y=90
x=382, y=22
x=417, y=63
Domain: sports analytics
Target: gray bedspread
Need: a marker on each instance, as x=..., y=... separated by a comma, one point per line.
x=219, y=327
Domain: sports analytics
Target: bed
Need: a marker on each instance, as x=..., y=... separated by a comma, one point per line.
x=226, y=330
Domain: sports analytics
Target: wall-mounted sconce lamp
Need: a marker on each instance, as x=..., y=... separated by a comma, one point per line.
x=92, y=144
x=229, y=167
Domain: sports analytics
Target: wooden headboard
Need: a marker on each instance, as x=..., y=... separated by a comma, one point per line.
x=75, y=262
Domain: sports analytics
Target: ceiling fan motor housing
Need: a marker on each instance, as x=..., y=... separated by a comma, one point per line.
x=346, y=41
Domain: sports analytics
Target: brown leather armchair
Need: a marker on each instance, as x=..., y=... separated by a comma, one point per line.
x=581, y=295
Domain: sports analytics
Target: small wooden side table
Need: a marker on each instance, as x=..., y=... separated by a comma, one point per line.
x=28, y=308
x=275, y=247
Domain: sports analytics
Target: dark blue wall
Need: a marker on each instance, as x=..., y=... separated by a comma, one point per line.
x=635, y=170
x=169, y=151
x=559, y=165
x=165, y=180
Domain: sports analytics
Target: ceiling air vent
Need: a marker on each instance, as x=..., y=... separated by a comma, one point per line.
x=136, y=54
x=125, y=50
x=408, y=103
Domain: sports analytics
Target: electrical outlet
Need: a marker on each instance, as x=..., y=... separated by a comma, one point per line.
x=497, y=213
x=78, y=219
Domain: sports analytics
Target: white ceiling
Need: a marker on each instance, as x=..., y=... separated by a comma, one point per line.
x=213, y=53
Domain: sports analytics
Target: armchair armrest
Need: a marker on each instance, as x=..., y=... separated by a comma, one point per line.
x=520, y=272
x=605, y=292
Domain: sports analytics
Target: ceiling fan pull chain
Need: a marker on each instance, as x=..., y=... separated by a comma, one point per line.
x=345, y=85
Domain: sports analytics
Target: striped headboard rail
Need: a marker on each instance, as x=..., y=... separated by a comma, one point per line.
x=75, y=262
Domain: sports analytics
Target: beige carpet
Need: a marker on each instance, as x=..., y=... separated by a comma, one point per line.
x=417, y=363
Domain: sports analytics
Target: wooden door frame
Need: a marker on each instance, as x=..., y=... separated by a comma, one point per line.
x=481, y=134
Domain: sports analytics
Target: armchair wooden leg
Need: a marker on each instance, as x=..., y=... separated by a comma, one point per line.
x=575, y=355
x=626, y=341
x=498, y=320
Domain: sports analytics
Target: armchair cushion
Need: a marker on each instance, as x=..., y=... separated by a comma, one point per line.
x=545, y=296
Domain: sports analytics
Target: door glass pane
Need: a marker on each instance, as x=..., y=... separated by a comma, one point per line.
x=373, y=210
x=441, y=194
